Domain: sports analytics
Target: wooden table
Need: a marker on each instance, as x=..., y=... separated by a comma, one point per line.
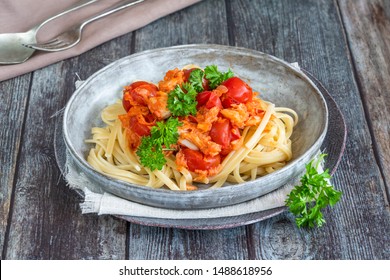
x=344, y=43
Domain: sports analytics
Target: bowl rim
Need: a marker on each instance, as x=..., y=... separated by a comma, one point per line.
x=81, y=161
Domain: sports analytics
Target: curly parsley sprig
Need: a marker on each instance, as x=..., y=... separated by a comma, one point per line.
x=315, y=193
x=162, y=137
x=216, y=77
x=150, y=154
x=182, y=100
x=196, y=79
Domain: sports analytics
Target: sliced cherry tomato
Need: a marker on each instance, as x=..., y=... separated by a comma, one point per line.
x=187, y=73
x=214, y=101
x=228, y=101
x=192, y=119
x=150, y=118
x=196, y=160
x=235, y=133
x=202, y=98
x=220, y=132
x=138, y=92
x=238, y=90
x=223, y=133
x=138, y=128
x=126, y=103
x=208, y=99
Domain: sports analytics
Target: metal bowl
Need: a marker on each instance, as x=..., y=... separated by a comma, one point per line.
x=276, y=80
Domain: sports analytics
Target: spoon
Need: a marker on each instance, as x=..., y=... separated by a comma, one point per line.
x=12, y=50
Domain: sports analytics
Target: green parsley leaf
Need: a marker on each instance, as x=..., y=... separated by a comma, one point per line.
x=151, y=155
x=166, y=133
x=196, y=79
x=182, y=103
x=162, y=136
x=215, y=77
x=315, y=193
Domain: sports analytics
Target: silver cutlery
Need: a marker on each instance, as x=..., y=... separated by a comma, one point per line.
x=72, y=36
x=12, y=45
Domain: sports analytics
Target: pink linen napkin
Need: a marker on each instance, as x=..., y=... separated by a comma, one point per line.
x=21, y=15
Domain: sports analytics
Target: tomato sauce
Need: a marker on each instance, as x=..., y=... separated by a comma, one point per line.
x=205, y=138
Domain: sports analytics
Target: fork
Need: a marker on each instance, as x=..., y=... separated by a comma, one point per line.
x=12, y=45
x=72, y=37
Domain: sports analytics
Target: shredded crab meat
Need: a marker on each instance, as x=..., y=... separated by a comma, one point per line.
x=206, y=118
x=189, y=131
x=171, y=80
x=158, y=105
x=237, y=115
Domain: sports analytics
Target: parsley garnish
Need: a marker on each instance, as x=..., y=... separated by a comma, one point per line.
x=162, y=136
x=315, y=193
x=165, y=133
x=150, y=154
x=196, y=79
x=215, y=77
x=182, y=103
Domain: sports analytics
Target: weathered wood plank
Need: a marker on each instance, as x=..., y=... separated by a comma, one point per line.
x=162, y=243
x=14, y=95
x=202, y=23
x=367, y=25
x=46, y=219
x=311, y=33
x=185, y=27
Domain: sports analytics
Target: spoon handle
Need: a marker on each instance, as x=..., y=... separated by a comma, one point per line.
x=68, y=10
x=111, y=11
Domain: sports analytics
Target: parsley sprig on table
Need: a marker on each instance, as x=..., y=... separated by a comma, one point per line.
x=315, y=193
x=215, y=77
x=162, y=137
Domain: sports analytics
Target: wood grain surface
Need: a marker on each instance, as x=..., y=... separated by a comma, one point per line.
x=345, y=44
x=367, y=25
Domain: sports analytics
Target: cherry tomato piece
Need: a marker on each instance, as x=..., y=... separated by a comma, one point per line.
x=228, y=101
x=138, y=92
x=235, y=133
x=202, y=98
x=187, y=73
x=214, y=101
x=208, y=99
x=196, y=160
x=220, y=132
x=238, y=90
x=138, y=128
x=126, y=103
